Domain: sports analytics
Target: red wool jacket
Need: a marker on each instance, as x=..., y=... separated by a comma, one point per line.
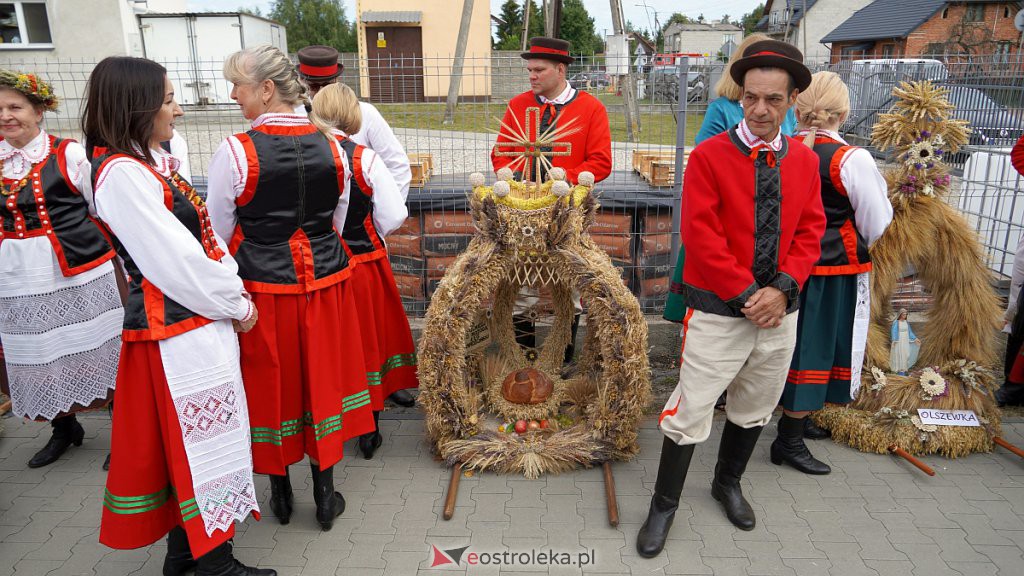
x=591, y=147
x=718, y=222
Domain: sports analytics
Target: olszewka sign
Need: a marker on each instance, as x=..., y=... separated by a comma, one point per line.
x=948, y=417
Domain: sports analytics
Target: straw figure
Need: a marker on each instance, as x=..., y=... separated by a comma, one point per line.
x=479, y=388
x=957, y=351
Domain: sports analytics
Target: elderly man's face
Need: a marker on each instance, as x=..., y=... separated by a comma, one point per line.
x=766, y=99
x=547, y=78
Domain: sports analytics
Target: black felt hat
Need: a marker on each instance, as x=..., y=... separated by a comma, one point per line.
x=772, y=54
x=319, y=64
x=548, y=49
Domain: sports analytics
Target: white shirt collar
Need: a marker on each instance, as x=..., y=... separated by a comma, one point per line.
x=821, y=131
x=17, y=161
x=163, y=161
x=282, y=119
x=753, y=141
x=562, y=98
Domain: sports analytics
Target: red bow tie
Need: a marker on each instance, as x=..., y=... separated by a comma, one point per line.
x=770, y=158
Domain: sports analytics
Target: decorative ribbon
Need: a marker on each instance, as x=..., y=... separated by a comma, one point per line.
x=769, y=158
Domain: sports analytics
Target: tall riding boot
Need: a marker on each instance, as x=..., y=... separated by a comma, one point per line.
x=369, y=442
x=789, y=447
x=179, y=556
x=570, y=350
x=281, y=498
x=733, y=454
x=329, y=504
x=675, y=461
x=220, y=562
x=526, y=331
x=66, y=431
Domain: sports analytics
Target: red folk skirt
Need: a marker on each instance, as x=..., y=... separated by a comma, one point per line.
x=388, y=347
x=149, y=486
x=302, y=370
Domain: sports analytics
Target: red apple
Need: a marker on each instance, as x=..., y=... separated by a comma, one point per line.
x=543, y=424
x=520, y=426
x=533, y=425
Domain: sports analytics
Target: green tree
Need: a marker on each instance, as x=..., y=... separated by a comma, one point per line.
x=677, y=18
x=578, y=28
x=748, y=21
x=506, y=36
x=315, y=22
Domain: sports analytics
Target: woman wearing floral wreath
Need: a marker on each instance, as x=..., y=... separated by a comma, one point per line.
x=832, y=328
x=180, y=455
x=280, y=193
x=60, y=313
x=376, y=208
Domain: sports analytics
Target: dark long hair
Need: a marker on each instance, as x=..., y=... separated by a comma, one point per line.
x=123, y=97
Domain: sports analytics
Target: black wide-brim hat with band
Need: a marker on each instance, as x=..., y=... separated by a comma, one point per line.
x=319, y=64
x=548, y=49
x=772, y=54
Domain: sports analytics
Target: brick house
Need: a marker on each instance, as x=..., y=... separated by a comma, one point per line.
x=913, y=28
x=806, y=31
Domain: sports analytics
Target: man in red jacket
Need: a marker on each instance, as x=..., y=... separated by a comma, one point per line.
x=552, y=102
x=752, y=222
x=584, y=145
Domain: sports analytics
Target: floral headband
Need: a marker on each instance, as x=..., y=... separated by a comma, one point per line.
x=35, y=89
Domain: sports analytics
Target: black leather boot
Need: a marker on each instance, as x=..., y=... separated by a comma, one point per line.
x=329, y=504
x=675, y=461
x=733, y=454
x=403, y=398
x=179, y=558
x=1010, y=394
x=570, y=350
x=66, y=431
x=281, y=497
x=369, y=442
x=789, y=447
x=220, y=562
x=526, y=332
x=814, y=432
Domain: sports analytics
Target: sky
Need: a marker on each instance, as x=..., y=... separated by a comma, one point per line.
x=600, y=10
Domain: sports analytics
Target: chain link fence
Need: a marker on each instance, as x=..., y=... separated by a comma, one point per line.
x=638, y=226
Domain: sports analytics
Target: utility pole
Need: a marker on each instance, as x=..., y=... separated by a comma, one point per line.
x=548, y=21
x=525, y=36
x=803, y=28
x=460, y=56
x=556, y=18
x=626, y=80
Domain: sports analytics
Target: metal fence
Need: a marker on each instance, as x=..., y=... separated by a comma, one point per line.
x=638, y=224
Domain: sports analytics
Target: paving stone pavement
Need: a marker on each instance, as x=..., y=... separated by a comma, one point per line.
x=873, y=515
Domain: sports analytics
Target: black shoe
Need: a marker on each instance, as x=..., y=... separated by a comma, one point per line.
x=106, y=462
x=66, y=431
x=720, y=403
x=403, y=398
x=1010, y=394
x=733, y=454
x=179, y=558
x=789, y=447
x=368, y=443
x=675, y=461
x=329, y=504
x=814, y=432
x=281, y=497
x=220, y=562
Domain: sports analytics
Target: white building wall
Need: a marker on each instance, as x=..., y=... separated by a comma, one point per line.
x=83, y=29
x=706, y=42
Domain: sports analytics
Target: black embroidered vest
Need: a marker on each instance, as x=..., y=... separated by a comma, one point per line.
x=285, y=241
x=843, y=249
x=148, y=313
x=359, y=234
x=49, y=205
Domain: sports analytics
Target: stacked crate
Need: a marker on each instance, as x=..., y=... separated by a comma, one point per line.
x=446, y=234
x=654, y=260
x=613, y=233
x=405, y=251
